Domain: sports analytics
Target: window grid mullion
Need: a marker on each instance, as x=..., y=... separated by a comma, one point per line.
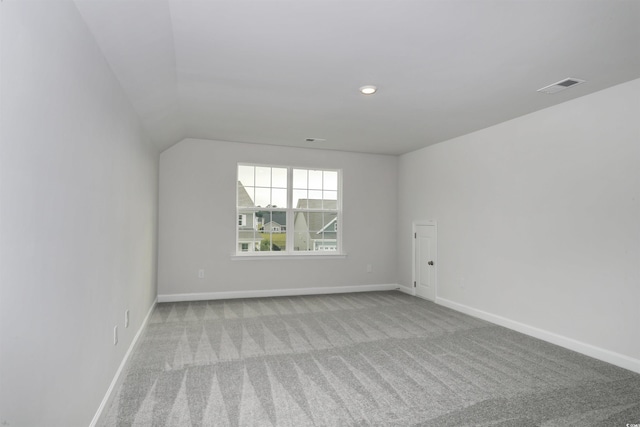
x=290, y=216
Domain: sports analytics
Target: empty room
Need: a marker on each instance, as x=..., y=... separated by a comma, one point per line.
x=319, y=213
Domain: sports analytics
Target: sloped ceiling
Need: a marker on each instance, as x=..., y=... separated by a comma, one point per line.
x=278, y=72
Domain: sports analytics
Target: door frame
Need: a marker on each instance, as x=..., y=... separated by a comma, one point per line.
x=413, y=253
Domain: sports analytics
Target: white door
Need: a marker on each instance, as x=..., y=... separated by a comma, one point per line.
x=425, y=261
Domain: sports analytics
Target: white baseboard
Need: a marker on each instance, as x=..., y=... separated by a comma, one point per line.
x=116, y=379
x=407, y=290
x=275, y=292
x=569, y=343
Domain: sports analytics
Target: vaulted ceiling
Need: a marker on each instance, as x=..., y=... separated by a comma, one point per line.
x=280, y=71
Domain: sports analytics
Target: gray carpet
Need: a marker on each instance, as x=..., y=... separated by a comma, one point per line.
x=382, y=358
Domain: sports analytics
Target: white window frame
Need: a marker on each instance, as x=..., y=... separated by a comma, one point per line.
x=289, y=229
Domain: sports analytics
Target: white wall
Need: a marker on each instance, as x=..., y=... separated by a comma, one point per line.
x=539, y=220
x=78, y=218
x=198, y=217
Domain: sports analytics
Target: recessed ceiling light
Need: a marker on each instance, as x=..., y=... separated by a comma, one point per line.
x=315, y=139
x=368, y=90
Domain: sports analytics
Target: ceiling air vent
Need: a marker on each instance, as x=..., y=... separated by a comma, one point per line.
x=561, y=85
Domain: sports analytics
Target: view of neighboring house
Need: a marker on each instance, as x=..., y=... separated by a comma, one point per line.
x=278, y=220
x=253, y=224
x=273, y=227
x=248, y=239
x=316, y=231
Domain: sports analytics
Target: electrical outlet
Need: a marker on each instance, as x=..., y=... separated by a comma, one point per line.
x=126, y=319
x=369, y=268
x=201, y=274
x=115, y=335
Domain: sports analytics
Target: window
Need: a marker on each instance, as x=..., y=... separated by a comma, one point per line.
x=287, y=210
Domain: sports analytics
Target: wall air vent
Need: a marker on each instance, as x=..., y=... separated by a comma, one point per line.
x=561, y=85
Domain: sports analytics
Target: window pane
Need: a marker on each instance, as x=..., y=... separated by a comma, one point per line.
x=263, y=176
x=300, y=199
x=330, y=195
x=326, y=245
x=246, y=219
x=301, y=237
x=263, y=197
x=245, y=196
x=279, y=198
x=275, y=232
x=326, y=242
x=315, y=199
x=262, y=218
x=301, y=241
x=315, y=180
x=330, y=180
x=248, y=239
x=265, y=243
x=330, y=220
x=272, y=230
x=315, y=231
x=300, y=178
x=330, y=200
x=245, y=175
x=279, y=177
x=330, y=204
x=272, y=221
x=315, y=221
x=272, y=242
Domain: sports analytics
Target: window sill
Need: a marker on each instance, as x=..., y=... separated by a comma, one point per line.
x=237, y=257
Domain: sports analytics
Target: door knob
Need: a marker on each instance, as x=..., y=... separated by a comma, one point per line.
x=430, y=263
